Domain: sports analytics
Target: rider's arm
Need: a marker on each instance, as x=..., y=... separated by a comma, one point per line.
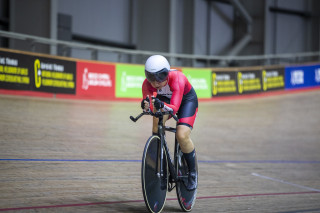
x=147, y=90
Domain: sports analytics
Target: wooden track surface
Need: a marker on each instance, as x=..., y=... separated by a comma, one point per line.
x=255, y=155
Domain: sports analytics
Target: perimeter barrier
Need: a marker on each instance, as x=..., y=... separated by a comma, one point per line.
x=27, y=73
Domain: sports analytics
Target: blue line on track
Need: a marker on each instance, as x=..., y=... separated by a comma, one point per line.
x=200, y=161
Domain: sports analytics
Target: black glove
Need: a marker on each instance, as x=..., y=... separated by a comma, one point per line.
x=158, y=104
x=142, y=102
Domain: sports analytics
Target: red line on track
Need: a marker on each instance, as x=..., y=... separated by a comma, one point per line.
x=72, y=205
x=139, y=201
x=256, y=195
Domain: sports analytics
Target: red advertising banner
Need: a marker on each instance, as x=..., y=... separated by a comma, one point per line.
x=95, y=80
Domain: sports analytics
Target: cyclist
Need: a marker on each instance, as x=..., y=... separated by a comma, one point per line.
x=174, y=92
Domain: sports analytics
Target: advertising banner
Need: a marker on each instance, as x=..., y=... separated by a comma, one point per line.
x=26, y=72
x=95, y=80
x=129, y=79
x=302, y=76
x=53, y=75
x=200, y=79
x=272, y=79
x=15, y=72
x=249, y=81
x=224, y=83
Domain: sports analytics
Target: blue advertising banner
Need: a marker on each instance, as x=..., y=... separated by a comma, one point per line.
x=302, y=76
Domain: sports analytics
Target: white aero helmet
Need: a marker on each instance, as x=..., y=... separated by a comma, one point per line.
x=157, y=68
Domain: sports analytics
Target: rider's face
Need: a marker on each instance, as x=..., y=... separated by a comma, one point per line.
x=158, y=85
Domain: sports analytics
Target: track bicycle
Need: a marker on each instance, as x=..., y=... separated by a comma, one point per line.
x=159, y=173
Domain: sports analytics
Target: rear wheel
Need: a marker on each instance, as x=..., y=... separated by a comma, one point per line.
x=154, y=195
x=186, y=198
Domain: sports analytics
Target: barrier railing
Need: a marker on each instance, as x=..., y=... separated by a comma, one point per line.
x=139, y=56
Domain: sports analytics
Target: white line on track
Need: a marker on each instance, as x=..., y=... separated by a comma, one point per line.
x=285, y=182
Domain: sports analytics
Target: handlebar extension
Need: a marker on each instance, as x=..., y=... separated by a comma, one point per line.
x=156, y=114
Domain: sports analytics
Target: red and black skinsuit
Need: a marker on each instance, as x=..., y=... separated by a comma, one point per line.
x=178, y=94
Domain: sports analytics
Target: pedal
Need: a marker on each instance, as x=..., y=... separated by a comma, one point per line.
x=171, y=187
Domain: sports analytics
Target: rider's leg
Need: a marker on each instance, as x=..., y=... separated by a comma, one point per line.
x=155, y=123
x=188, y=150
x=183, y=137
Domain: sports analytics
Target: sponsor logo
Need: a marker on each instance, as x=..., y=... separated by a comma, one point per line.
x=11, y=73
x=52, y=75
x=317, y=75
x=198, y=83
x=248, y=82
x=90, y=79
x=297, y=77
x=222, y=83
x=130, y=81
x=272, y=79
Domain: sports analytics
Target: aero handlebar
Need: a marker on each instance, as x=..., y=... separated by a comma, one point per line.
x=155, y=114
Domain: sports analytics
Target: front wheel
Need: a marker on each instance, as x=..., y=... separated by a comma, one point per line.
x=154, y=188
x=186, y=198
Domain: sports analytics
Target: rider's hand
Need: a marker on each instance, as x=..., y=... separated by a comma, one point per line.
x=145, y=103
x=157, y=103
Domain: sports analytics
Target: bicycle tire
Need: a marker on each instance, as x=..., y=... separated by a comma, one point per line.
x=153, y=195
x=186, y=198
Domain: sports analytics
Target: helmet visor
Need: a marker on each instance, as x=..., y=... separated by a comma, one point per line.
x=159, y=76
